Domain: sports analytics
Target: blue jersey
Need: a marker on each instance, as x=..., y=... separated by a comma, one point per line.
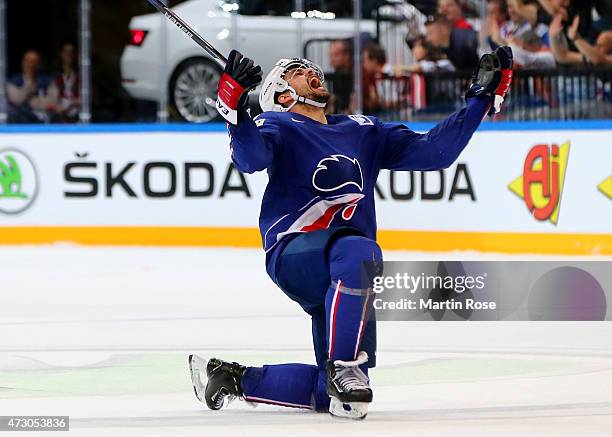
x=323, y=175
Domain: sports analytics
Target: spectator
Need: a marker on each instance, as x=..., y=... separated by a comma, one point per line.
x=341, y=60
x=374, y=59
x=63, y=94
x=575, y=8
x=604, y=10
x=459, y=45
x=517, y=25
x=497, y=17
x=414, y=20
x=450, y=11
x=566, y=8
x=497, y=11
x=428, y=59
x=530, y=54
x=341, y=55
x=26, y=92
x=598, y=54
x=374, y=62
x=603, y=44
x=533, y=12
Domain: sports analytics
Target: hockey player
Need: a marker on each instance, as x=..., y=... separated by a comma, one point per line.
x=317, y=219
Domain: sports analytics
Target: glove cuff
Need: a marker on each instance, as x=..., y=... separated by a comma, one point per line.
x=231, y=115
x=231, y=98
x=230, y=91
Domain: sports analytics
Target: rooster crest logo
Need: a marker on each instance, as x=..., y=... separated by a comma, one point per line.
x=336, y=172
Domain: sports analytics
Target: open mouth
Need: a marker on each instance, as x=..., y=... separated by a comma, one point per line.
x=315, y=83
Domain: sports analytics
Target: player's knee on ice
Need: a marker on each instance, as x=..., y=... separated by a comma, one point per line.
x=348, y=256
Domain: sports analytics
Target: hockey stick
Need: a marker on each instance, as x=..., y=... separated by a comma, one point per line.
x=187, y=30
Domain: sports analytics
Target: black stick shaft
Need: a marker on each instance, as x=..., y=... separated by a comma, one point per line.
x=189, y=31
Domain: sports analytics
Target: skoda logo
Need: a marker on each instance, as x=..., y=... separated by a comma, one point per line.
x=18, y=181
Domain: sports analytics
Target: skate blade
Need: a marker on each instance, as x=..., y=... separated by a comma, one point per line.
x=196, y=367
x=353, y=410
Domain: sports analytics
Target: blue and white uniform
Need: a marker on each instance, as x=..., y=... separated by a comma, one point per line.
x=318, y=223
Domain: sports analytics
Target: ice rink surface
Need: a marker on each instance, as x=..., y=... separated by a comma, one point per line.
x=102, y=335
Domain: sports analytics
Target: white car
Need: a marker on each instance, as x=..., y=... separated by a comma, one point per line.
x=191, y=76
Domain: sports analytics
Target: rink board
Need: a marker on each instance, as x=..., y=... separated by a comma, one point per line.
x=174, y=185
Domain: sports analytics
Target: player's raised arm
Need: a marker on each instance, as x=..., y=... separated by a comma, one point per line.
x=252, y=147
x=441, y=146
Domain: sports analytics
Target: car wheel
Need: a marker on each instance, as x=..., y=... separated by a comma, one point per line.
x=193, y=90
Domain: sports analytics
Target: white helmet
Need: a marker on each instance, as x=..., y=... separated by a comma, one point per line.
x=275, y=83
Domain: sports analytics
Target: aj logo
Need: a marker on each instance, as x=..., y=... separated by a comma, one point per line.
x=541, y=184
x=606, y=187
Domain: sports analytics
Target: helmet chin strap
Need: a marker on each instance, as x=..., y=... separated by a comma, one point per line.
x=297, y=98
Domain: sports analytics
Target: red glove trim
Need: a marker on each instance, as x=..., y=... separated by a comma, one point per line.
x=504, y=83
x=230, y=91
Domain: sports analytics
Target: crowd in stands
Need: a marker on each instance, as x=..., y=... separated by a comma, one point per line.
x=543, y=34
x=34, y=97
x=446, y=37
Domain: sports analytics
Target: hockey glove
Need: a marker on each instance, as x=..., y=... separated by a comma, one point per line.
x=493, y=77
x=238, y=79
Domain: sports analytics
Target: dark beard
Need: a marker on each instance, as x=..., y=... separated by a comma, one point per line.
x=319, y=96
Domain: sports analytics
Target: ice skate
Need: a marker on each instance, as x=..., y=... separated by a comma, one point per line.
x=348, y=388
x=224, y=381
